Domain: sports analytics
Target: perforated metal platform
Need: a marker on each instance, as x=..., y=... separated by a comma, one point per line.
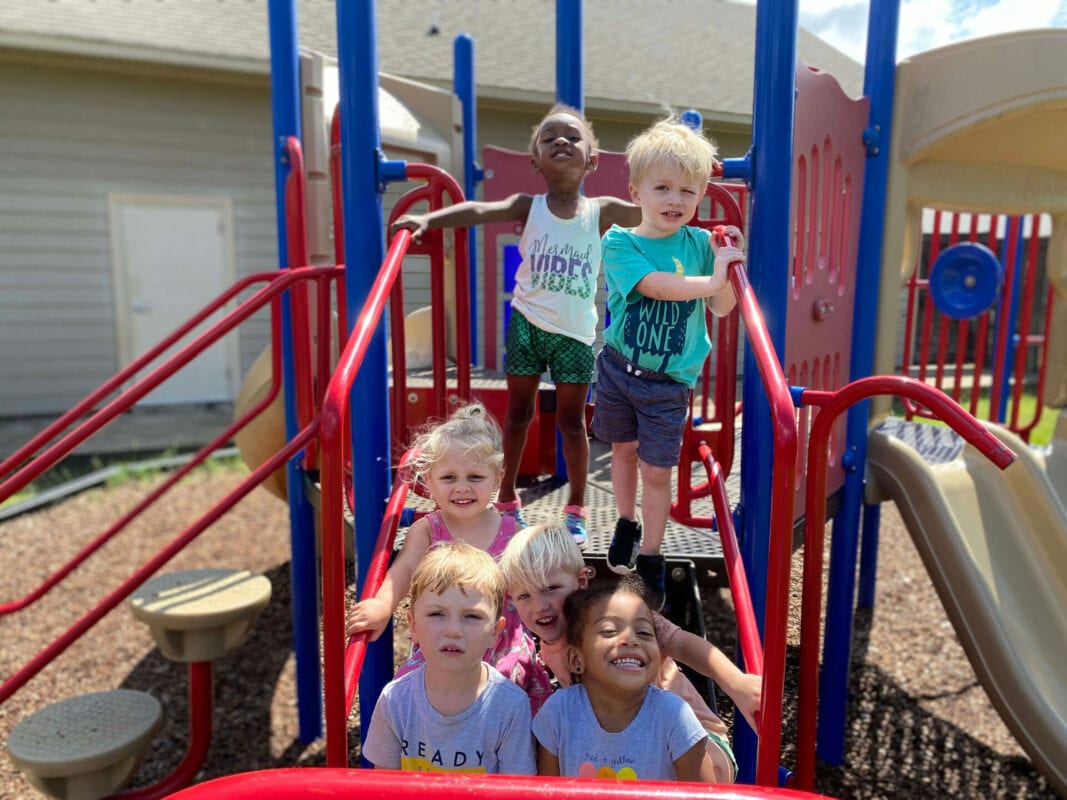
x=935, y=443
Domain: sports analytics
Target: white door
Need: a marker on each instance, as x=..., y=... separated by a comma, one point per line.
x=173, y=255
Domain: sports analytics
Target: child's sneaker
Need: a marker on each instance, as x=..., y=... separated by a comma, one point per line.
x=512, y=508
x=653, y=571
x=574, y=520
x=625, y=544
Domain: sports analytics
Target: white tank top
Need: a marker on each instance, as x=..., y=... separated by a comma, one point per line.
x=555, y=286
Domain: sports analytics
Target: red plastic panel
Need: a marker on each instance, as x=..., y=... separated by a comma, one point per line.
x=829, y=161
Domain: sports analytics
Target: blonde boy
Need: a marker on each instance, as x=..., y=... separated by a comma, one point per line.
x=656, y=344
x=542, y=566
x=454, y=713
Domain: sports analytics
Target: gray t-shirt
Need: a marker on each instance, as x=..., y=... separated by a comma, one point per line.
x=664, y=730
x=491, y=735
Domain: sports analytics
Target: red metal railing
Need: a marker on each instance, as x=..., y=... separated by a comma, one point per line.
x=379, y=565
x=332, y=469
x=277, y=282
x=781, y=525
x=747, y=630
x=832, y=405
x=340, y=671
x=384, y=784
x=718, y=406
x=293, y=281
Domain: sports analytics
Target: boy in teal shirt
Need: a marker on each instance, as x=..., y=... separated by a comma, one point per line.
x=659, y=277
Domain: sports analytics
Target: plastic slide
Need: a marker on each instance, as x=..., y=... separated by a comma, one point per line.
x=995, y=545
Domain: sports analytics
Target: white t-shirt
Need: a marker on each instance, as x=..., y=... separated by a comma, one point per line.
x=555, y=285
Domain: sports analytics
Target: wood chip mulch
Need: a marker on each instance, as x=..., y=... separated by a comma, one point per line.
x=920, y=725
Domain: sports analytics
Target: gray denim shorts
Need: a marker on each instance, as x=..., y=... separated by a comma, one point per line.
x=636, y=405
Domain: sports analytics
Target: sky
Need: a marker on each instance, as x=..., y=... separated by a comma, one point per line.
x=925, y=24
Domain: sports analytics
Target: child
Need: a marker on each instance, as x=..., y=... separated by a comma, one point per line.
x=657, y=341
x=614, y=724
x=459, y=461
x=453, y=713
x=553, y=319
x=542, y=567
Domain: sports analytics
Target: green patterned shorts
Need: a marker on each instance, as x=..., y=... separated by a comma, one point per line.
x=530, y=351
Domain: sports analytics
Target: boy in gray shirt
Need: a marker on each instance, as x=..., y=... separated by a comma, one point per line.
x=454, y=713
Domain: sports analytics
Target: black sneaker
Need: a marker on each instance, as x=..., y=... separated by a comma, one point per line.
x=653, y=571
x=622, y=553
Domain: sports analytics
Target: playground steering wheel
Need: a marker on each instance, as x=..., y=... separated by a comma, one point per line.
x=966, y=280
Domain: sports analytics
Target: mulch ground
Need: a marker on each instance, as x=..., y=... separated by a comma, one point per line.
x=920, y=725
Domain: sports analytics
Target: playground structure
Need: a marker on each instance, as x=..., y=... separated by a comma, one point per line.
x=809, y=276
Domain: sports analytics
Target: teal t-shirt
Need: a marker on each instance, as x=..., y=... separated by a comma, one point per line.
x=668, y=336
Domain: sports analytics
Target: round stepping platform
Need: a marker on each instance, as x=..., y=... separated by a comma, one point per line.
x=85, y=747
x=200, y=614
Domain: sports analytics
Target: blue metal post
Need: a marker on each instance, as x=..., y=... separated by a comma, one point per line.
x=285, y=109
x=569, y=60
x=998, y=406
x=768, y=258
x=869, y=534
x=878, y=85
x=465, y=87
x=361, y=159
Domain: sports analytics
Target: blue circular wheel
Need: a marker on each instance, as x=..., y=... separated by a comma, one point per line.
x=966, y=280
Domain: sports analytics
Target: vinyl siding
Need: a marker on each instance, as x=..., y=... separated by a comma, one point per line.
x=70, y=137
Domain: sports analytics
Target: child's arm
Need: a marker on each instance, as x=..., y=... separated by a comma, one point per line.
x=715, y=287
x=548, y=764
x=694, y=765
x=614, y=211
x=374, y=614
x=707, y=659
x=462, y=215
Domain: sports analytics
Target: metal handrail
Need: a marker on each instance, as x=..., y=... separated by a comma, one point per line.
x=781, y=525
x=832, y=405
x=332, y=463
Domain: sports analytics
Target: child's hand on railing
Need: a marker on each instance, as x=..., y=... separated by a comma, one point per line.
x=369, y=615
x=736, y=238
x=416, y=223
x=728, y=244
x=747, y=693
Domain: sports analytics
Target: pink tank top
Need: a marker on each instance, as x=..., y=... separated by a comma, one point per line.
x=514, y=655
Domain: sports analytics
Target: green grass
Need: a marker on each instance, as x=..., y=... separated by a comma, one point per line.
x=126, y=473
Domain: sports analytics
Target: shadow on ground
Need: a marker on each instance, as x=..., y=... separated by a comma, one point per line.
x=894, y=748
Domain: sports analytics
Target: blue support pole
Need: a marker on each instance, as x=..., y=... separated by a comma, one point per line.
x=465, y=87
x=768, y=258
x=361, y=178
x=870, y=530
x=878, y=85
x=998, y=406
x=285, y=110
x=569, y=59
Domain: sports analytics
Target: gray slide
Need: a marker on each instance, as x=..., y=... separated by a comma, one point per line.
x=995, y=545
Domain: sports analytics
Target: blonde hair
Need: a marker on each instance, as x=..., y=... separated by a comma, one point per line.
x=460, y=565
x=536, y=551
x=563, y=108
x=472, y=429
x=672, y=143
